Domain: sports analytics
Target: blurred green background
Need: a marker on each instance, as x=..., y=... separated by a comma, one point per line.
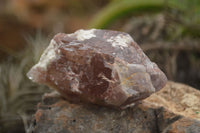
x=167, y=30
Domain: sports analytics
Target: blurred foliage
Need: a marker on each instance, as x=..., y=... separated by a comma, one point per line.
x=117, y=9
x=185, y=17
x=188, y=11
x=18, y=95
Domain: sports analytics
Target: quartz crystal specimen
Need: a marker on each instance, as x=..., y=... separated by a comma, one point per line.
x=98, y=66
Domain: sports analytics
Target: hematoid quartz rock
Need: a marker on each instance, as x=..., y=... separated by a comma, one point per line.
x=98, y=66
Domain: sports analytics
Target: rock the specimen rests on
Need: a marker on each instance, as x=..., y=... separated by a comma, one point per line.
x=56, y=115
x=98, y=66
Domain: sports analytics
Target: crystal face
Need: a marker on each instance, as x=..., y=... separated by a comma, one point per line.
x=103, y=67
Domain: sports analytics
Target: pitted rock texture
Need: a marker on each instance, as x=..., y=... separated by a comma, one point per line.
x=98, y=66
x=56, y=115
